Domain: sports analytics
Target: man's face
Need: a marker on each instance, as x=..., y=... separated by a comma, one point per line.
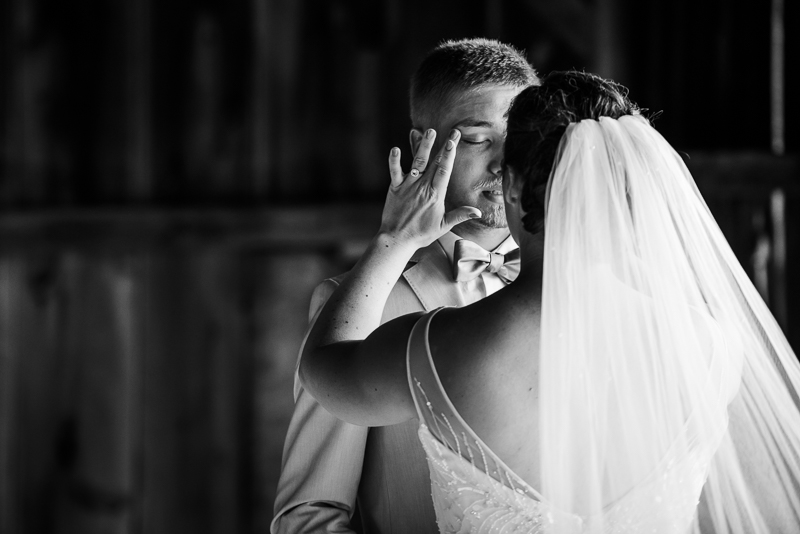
x=476, y=179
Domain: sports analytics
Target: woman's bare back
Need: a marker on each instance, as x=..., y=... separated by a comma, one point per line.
x=487, y=358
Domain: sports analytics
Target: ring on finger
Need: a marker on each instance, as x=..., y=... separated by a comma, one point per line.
x=414, y=173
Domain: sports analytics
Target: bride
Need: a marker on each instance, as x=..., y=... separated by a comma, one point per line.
x=630, y=380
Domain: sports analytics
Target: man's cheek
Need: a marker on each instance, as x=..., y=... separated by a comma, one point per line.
x=456, y=195
x=461, y=172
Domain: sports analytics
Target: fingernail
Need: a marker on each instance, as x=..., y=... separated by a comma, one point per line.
x=395, y=152
x=454, y=134
x=449, y=145
x=474, y=216
x=429, y=133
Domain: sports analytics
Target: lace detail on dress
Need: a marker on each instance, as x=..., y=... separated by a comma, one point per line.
x=465, y=443
x=474, y=491
x=468, y=499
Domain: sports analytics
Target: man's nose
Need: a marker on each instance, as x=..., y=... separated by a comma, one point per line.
x=496, y=162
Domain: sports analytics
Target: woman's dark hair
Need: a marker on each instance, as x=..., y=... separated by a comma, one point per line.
x=538, y=118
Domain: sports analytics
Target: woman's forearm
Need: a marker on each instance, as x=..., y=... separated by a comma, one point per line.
x=336, y=368
x=356, y=307
x=413, y=216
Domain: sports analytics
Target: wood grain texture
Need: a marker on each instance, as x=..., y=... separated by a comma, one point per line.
x=176, y=177
x=147, y=358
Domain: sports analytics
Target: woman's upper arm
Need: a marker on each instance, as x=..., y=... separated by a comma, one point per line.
x=382, y=372
x=364, y=382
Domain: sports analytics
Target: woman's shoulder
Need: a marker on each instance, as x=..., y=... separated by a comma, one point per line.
x=480, y=329
x=486, y=355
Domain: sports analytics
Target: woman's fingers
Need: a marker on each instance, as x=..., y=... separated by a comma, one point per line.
x=420, y=162
x=439, y=175
x=395, y=171
x=459, y=215
x=444, y=163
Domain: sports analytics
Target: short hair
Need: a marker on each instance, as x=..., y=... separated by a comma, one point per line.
x=537, y=120
x=457, y=66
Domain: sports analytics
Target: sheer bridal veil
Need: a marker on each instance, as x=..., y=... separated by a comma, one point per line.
x=662, y=370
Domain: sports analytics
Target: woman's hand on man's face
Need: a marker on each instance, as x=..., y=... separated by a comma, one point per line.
x=414, y=213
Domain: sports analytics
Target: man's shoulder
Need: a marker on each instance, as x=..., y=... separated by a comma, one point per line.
x=424, y=279
x=429, y=259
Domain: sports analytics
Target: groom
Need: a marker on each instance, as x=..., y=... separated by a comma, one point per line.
x=338, y=477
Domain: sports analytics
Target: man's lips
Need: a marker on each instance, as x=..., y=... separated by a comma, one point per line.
x=493, y=195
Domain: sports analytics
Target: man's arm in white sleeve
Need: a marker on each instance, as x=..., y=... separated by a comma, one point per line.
x=322, y=461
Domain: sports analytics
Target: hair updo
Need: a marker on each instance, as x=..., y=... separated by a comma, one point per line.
x=538, y=118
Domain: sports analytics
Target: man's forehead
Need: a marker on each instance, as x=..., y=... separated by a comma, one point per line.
x=482, y=107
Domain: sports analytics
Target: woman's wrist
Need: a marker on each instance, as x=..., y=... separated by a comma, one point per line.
x=394, y=244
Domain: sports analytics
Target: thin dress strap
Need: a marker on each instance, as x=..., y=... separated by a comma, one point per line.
x=437, y=413
x=420, y=375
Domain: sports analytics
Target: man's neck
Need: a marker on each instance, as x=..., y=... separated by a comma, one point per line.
x=488, y=238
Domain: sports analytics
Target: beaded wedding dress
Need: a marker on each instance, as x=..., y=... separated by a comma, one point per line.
x=664, y=380
x=474, y=491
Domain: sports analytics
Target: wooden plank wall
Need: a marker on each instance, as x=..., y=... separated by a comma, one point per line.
x=754, y=198
x=146, y=385
x=176, y=177
x=272, y=102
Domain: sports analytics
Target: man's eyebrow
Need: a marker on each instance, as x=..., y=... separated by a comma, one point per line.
x=473, y=123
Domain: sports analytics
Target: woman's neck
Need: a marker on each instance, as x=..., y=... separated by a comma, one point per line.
x=531, y=251
x=528, y=284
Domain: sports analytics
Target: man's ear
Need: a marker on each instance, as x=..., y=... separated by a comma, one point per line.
x=414, y=139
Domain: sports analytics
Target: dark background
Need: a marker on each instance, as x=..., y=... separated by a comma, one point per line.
x=177, y=176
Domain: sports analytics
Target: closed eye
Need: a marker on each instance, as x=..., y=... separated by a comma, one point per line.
x=474, y=142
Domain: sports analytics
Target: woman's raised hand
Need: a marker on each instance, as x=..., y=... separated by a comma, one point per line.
x=414, y=213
